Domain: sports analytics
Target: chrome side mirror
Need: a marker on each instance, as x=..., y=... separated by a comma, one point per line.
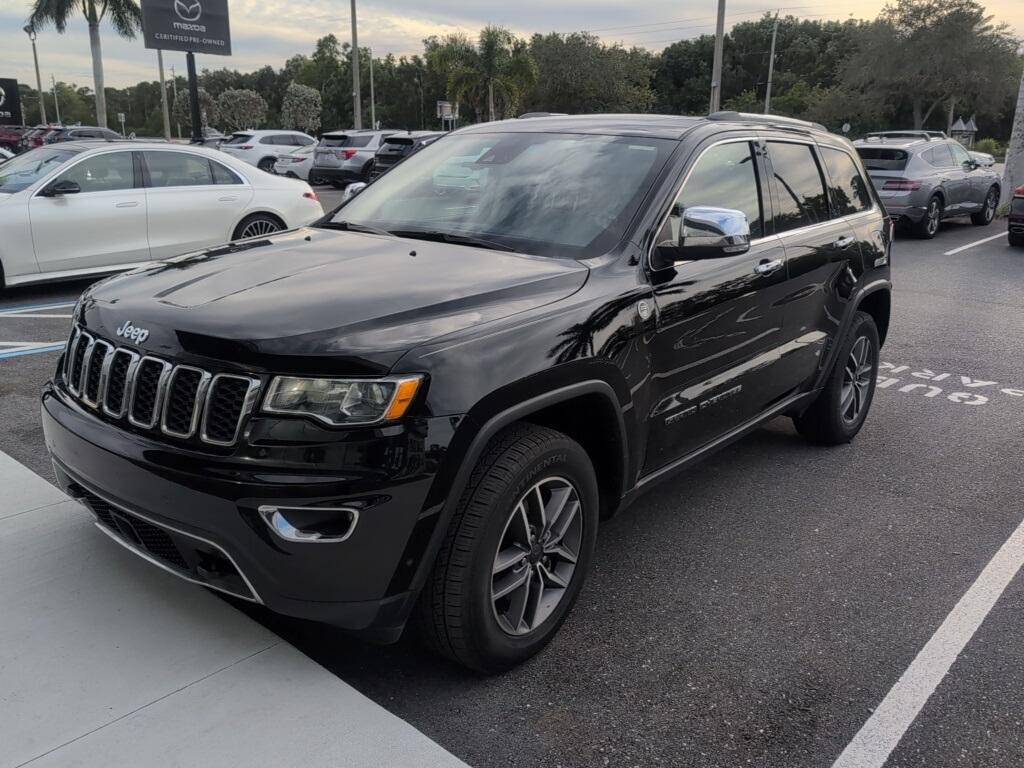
x=710, y=233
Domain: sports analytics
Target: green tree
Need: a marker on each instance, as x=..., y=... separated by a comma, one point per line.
x=492, y=76
x=241, y=108
x=181, y=112
x=124, y=15
x=301, y=108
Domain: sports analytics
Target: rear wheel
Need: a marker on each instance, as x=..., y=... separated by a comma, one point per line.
x=256, y=225
x=928, y=226
x=838, y=413
x=516, y=552
x=988, y=211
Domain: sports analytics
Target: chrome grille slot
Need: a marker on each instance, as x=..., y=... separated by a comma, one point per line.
x=119, y=375
x=82, y=344
x=186, y=388
x=150, y=379
x=230, y=398
x=94, y=365
x=181, y=401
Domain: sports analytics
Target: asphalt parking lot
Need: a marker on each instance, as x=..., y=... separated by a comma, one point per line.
x=758, y=608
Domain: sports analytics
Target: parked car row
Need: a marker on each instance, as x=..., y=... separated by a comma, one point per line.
x=79, y=209
x=924, y=178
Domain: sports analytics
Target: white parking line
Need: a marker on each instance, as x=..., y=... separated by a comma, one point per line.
x=971, y=245
x=879, y=736
x=6, y=315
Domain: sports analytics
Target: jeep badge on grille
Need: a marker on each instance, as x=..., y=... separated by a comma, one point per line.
x=132, y=332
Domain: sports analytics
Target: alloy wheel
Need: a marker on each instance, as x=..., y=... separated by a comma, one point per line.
x=990, y=206
x=856, y=380
x=537, y=555
x=258, y=227
x=933, y=217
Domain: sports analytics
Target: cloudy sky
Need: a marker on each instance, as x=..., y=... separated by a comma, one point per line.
x=269, y=31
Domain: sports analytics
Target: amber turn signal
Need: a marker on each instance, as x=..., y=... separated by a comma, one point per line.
x=407, y=389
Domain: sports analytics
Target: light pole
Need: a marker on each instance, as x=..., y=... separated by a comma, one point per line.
x=163, y=95
x=357, y=107
x=31, y=32
x=771, y=67
x=716, y=67
x=56, y=102
x=373, y=104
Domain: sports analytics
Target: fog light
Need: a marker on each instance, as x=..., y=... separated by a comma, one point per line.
x=311, y=525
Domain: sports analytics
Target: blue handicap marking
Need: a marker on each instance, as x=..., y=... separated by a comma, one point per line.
x=31, y=350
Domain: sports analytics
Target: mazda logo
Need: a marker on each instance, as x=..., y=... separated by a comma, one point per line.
x=188, y=10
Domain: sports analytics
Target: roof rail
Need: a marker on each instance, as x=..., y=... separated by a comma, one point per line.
x=776, y=120
x=926, y=135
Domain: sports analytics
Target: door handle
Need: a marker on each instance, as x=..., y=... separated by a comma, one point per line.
x=767, y=267
x=228, y=199
x=843, y=242
x=128, y=204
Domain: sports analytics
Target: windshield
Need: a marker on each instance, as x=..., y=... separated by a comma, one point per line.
x=539, y=193
x=881, y=159
x=23, y=171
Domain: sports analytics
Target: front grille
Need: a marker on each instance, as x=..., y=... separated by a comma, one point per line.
x=134, y=529
x=154, y=394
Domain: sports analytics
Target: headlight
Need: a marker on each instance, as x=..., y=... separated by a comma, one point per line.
x=342, y=401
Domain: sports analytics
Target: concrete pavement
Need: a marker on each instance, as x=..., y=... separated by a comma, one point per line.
x=106, y=662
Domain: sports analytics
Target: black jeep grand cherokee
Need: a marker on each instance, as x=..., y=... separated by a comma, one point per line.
x=423, y=405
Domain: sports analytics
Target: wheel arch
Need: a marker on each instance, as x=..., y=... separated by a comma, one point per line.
x=563, y=409
x=878, y=304
x=260, y=212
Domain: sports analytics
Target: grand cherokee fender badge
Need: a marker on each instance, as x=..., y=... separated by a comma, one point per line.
x=132, y=333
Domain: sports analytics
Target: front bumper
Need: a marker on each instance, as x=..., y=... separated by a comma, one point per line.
x=206, y=505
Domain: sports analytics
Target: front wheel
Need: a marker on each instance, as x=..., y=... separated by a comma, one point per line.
x=988, y=212
x=838, y=413
x=516, y=552
x=928, y=226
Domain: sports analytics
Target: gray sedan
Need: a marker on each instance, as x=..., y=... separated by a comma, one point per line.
x=923, y=178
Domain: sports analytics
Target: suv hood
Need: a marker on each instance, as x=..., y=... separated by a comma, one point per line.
x=321, y=293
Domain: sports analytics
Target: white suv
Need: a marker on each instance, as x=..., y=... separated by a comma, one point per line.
x=262, y=148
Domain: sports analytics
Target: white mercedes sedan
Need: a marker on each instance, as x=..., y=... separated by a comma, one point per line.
x=80, y=209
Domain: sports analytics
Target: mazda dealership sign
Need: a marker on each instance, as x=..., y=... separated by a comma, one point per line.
x=199, y=26
x=10, y=103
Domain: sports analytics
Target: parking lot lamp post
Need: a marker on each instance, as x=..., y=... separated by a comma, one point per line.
x=56, y=101
x=163, y=95
x=716, y=69
x=357, y=107
x=31, y=32
x=373, y=105
x=193, y=98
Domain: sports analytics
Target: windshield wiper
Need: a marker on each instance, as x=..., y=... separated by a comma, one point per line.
x=351, y=226
x=451, y=237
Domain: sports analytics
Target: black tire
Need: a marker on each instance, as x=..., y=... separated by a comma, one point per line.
x=928, y=226
x=266, y=164
x=257, y=224
x=368, y=172
x=985, y=216
x=826, y=420
x=339, y=184
x=1016, y=239
x=457, y=614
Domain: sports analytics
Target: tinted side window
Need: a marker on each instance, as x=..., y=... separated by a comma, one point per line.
x=222, y=175
x=303, y=141
x=960, y=155
x=847, y=188
x=103, y=173
x=724, y=177
x=177, y=169
x=939, y=157
x=799, y=189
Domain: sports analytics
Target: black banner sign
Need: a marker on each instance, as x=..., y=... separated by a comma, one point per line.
x=199, y=26
x=10, y=103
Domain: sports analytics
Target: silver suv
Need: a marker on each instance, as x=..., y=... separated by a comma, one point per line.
x=342, y=157
x=924, y=177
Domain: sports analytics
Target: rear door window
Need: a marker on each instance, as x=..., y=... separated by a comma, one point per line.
x=799, y=189
x=847, y=189
x=883, y=158
x=177, y=169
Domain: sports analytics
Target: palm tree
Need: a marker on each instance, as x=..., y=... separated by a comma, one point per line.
x=499, y=66
x=125, y=15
